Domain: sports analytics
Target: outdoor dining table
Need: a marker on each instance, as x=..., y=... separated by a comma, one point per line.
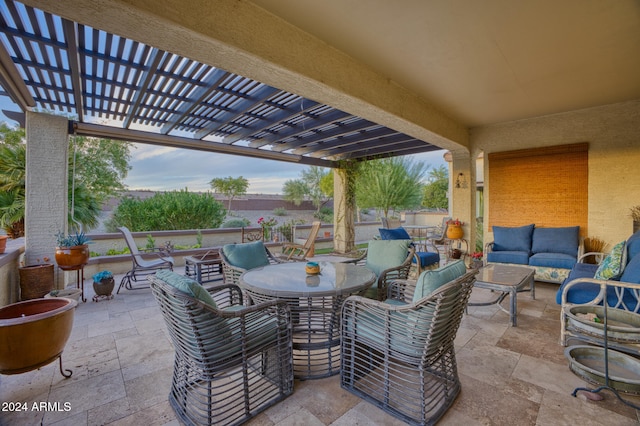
x=315, y=302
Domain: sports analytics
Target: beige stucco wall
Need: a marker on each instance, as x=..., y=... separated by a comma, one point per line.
x=613, y=134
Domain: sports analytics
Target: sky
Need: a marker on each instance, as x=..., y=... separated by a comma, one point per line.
x=160, y=168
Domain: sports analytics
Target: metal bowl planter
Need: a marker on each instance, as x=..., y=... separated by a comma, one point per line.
x=69, y=258
x=103, y=284
x=69, y=293
x=34, y=333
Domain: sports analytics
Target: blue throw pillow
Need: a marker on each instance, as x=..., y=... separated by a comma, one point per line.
x=512, y=239
x=633, y=245
x=246, y=256
x=394, y=234
x=556, y=240
x=430, y=281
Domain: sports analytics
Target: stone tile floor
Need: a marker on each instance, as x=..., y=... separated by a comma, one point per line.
x=122, y=361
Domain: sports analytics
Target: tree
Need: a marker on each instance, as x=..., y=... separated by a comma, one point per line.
x=96, y=170
x=390, y=183
x=231, y=187
x=312, y=177
x=294, y=190
x=435, y=191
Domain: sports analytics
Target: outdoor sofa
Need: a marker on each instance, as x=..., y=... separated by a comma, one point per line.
x=552, y=252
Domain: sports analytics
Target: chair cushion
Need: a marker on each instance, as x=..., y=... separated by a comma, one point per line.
x=553, y=260
x=246, y=256
x=394, y=234
x=385, y=254
x=556, y=240
x=426, y=258
x=581, y=270
x=613, y=265
x=507, y=256
x=512, y=238
x=186, y=285
x=429, y=281
x=631, y=272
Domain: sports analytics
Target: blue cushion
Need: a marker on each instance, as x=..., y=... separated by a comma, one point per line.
x=581, y=270
x=517, y=257
x=553, y=260
x=556, y=240
x=631, y=272
x=512, y=238
x=186, y=285
x=429, y=281
x=426, y=258
x=633, y=246
x=385, y=254
x=246, y=256
x=585, y=292
x=394, y=234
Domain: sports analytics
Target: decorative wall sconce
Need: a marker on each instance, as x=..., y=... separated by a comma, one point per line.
x=461, y=181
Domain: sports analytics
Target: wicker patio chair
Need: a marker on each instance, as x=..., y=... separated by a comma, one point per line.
x=300, y=252
x=239, y=258
x=142, y=266
x=400, y=355
x=231, y=361
x=390, y=260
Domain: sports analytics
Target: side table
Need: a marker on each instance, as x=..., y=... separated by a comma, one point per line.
x=204, y=268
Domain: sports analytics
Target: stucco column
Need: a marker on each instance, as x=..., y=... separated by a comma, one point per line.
x=344, y=200
x=462, y=198
x=46, y=184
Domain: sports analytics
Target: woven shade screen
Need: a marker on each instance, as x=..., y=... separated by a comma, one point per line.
x=545, y=186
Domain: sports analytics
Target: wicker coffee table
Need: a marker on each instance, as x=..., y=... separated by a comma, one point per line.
x=507, y=280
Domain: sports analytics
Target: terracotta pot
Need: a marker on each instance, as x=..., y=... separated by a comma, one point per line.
x=72, y=257
x=455, y=254
x=3, y=243
x=455, y=232
x=35, y=280
x=327, y=234
x=34, y=333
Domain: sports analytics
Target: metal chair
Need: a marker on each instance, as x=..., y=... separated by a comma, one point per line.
x=294, y=251
x=400, y=355
x=231, y=361
x=385, y=259
x=141, y=266
x=439, y=239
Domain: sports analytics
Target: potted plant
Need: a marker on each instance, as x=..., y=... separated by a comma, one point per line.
x=454, y=229
x=72, y=251
x=267, y=226
x=36, y=280
x=3, y=243
x=103, y=284
x=476, y=262
x=634, y=213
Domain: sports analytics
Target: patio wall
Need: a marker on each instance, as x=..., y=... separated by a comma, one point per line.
x=613, y=135
x=10, y=261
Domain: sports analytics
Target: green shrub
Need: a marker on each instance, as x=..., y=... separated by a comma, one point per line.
x=168, y=211
x=235, y=223
x=280, y=211
x=325, y=215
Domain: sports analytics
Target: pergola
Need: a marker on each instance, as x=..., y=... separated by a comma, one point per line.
x=114, y=87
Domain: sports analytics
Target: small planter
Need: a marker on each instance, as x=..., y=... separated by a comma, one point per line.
x=455, y=253
x=103, y=289
x=69, y=293
x=3, y=243
x=455, y=232
x=35, y=280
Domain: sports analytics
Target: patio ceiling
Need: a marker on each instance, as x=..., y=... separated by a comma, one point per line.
x=119, y=88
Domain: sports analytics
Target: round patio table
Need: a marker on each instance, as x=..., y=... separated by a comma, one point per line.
x=316, y=303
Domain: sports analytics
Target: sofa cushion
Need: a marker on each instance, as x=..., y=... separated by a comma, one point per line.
x=426, y=258
x=512, y=238
x=581, y=270
x=631, y=272
x=394, y=234
x=612, y=266
x=517, y=257
x=553, y=260
x=556, y=240
x=247, y=255
x=430, y=281
x=385, y=254
x=633, y=246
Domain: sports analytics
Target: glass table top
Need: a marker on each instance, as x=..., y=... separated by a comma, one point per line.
x=290, y=279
